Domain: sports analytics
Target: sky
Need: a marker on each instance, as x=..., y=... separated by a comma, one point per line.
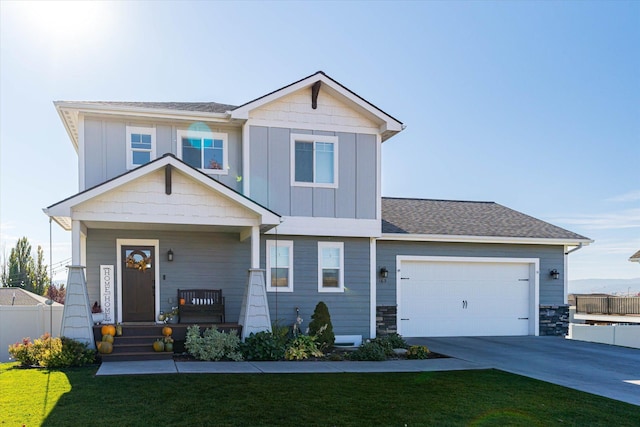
x=534, y=105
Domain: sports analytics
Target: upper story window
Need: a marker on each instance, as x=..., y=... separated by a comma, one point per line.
x=279, y=266
x=314, y=160
x=203, y=150
x=330, y=267
x=141, y=146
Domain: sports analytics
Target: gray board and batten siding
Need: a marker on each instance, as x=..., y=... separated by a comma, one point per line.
x=349, y=310
x=550, y=256
x=221, y=261
x=105, y=148
x=355, y=197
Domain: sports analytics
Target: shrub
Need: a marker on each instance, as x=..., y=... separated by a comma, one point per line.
x=263, y=346
x=301, y=347
x=393, y=340
x=213, y=344
x=369, y=351
x=52, y=353
x=321, y=327
x=418, y=352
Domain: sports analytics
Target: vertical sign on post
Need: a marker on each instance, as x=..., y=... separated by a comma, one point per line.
x=106, y=292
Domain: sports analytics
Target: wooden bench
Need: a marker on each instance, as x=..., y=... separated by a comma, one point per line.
x=201, y=305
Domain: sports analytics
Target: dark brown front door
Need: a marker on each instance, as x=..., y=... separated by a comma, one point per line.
x=138, y=284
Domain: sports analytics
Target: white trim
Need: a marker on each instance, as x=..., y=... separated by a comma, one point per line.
x=246, y=159
x=76, y=242
x=534, y=272
x=607, y=318
x=331, y=245
x=143, y=130
x=565, y=277
x=163, y=113
x=313, y=126
x=255, y=247
x=482, y=239
x=273, y=244
x=373, y=287
x=164, y=219
x=325, y=226
x=188, y=133
x=313, y=139
x=379, y=176
x=81, y=159
x=156, y=250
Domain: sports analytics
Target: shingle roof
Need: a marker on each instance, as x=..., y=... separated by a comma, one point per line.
x=203, y=107
x=459, y=218
x=22, y=297
x=635, y=257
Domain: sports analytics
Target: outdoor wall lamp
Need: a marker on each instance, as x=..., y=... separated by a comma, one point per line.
x=554, y=274
x=384, y=273
x=170, y=255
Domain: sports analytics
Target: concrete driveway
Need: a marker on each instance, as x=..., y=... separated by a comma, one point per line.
x=600, y=369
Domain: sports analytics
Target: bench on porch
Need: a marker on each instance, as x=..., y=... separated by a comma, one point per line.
x=201, y=305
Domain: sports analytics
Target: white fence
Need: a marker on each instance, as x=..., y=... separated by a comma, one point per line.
x=622, y=335
x=21, y=321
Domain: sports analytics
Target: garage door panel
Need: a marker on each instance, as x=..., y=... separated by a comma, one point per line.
x=464, y=298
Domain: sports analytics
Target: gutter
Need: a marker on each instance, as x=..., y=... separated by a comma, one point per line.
x=580, y=245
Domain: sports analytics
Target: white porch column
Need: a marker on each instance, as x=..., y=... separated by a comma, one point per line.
x=255, y=247
x=77, y=243
x=76, y=319
x=254, y=313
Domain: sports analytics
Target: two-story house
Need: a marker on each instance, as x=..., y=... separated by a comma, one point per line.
x=287, y=187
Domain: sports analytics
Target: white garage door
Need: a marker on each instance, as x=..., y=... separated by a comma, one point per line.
x=451, y=298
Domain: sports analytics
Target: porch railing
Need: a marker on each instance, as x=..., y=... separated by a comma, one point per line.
x=608, y=305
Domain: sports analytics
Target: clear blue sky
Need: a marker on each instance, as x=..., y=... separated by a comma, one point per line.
x=534, y=105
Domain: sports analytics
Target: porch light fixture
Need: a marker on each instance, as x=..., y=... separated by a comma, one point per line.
x=555, y=275
x=170, y=255
x=384, y=273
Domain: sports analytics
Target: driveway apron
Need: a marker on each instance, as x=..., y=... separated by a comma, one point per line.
x=600, y=369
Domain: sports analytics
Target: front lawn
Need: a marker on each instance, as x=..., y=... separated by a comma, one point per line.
x=76, y=397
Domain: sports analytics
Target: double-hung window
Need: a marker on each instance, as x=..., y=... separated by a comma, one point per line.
x=204, y=150
x=279, y=266
x=141, y=146
x=330, y=267
x=314, y=160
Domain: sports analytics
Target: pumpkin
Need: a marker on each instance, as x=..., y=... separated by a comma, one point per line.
x=166, y=331
x=105, y=347
x=168, y=347
x=108, y=330
x=107, y=338
x=158, y=345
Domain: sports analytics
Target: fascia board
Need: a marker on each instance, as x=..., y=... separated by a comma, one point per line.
x=482, y=239
x=155, y=113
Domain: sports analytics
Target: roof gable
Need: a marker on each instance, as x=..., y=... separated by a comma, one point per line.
x=195, y=198
x=387, y=125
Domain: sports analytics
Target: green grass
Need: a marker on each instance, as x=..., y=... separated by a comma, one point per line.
x=478, y=398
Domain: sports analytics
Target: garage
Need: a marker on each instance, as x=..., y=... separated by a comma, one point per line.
x=447, y=296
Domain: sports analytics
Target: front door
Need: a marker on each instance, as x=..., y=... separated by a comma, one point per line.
x=138, y=284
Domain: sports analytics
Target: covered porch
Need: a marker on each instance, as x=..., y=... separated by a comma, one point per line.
x=159, y=228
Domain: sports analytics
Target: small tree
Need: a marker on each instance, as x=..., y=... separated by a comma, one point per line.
x=40, y=276
x=55, y=293
x=321, y=326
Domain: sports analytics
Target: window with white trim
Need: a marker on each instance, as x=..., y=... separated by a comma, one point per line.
x=279, y=265
x=314, y=160
x=330, y=267
x=141, y=146
x=204, y=150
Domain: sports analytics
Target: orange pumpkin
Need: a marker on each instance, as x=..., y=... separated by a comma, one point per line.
x=107, y=338
x=166, y=331
x=108, y=330
x=105, y=347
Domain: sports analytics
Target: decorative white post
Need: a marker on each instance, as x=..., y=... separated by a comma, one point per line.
x=76, y=318
x=254, y=314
